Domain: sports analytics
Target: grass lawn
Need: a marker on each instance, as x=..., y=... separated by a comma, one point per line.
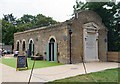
x=38, y=64
x=109, y=76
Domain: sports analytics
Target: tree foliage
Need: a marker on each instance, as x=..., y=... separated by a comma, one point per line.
x=11, y=25
x=8, y=31
x=110, y=14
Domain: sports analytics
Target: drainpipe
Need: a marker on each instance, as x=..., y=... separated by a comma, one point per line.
x=70, y=33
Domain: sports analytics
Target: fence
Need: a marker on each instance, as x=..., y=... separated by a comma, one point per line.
x=113, y=56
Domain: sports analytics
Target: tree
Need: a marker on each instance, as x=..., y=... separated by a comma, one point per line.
x=42, y=20
x=11, y=25
x=110, y=14
x=8, y=31
x=10, y=18
x=29, y=22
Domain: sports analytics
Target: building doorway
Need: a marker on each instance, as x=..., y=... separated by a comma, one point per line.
x=31, y=48
x=52, y=50
x=23, y=46
x=90, y=42
x=18, y=45
x=91, y=47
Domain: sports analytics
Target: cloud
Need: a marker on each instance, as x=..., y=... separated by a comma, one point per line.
x=58, y=9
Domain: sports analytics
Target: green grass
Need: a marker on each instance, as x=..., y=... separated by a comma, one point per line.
x=109, y=76
x=38, y=64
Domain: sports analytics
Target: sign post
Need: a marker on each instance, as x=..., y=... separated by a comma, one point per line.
x=32, y=71
x=21, y=63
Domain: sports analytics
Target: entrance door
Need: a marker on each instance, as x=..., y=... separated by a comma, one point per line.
x=52, y=50
x=31, y=48
x=91, y=47
x=17, y=46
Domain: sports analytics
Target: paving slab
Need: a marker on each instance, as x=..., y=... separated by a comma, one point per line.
x=48, y=74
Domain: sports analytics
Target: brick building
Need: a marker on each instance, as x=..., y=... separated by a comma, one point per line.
x=84, y=35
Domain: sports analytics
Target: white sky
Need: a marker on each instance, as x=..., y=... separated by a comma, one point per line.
x=60, y=10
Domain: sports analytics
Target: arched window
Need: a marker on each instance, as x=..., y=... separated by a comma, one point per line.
x=18, y=46
x=51, y=49
x=31, y=47
x=23, y=46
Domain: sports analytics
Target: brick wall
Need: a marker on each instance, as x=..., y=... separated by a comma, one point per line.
x=41, y=37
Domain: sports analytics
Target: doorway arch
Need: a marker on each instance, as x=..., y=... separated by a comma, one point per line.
x=31, y=48
x=18, y=45
x=90, y=41
x=52, y=50
x=23, y=45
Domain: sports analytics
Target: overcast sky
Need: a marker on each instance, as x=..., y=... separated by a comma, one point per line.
x=60, y=10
